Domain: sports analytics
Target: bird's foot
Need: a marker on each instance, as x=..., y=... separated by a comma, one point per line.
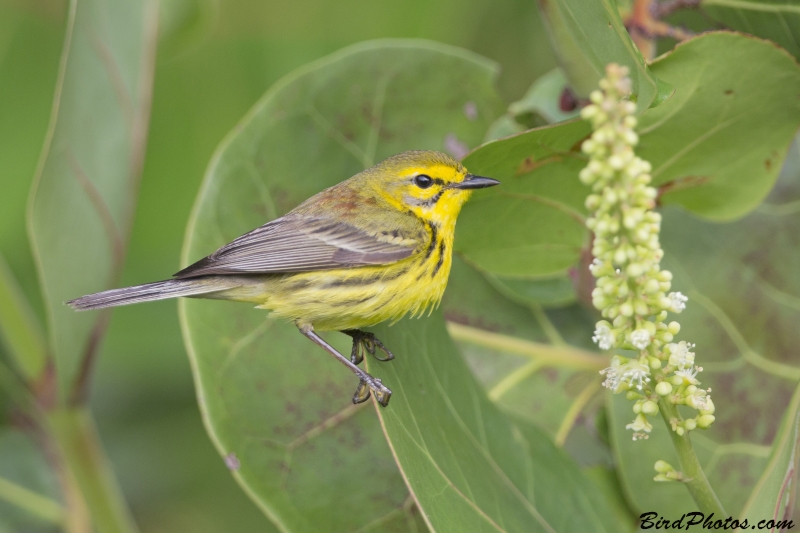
x=365, y=341
x=369, y=383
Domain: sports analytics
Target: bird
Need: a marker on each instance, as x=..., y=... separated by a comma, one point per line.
x=375, y=247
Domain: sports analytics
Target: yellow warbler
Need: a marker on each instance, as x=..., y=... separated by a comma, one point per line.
x=372, y=248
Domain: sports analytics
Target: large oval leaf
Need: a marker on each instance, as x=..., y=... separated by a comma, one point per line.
x=534, y=224
x=718, y=144
x=468, y=466
x=277, y=407
x=777, y=20
x=776, y=491
x=82, y=201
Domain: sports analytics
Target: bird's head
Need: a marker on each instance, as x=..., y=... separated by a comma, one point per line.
x=430, y=184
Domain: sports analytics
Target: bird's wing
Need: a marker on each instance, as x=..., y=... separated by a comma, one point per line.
x=297, y=243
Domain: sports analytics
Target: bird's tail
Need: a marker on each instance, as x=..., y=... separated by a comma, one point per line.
x=160, y=290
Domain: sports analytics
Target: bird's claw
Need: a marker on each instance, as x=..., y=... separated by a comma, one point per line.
x=382, y=393
x=364, y=341
x=362, y=392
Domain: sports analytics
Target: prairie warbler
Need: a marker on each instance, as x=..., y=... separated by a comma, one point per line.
x=372, y=248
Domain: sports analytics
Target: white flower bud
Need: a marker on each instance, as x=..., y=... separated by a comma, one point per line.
x=603, y=336
x=677, y=301
x=632, y=291
x=640, y=339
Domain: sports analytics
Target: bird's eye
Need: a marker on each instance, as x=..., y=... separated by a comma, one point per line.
x=422, y=181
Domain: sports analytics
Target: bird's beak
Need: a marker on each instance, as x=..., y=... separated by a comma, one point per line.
x=475, y=182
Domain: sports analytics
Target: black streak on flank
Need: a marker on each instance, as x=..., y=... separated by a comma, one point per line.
x=440, y=261
x=434, y=238
x=366, y=280
x=349, y=303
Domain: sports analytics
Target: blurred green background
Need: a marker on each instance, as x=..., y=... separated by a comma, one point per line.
x=215, y=59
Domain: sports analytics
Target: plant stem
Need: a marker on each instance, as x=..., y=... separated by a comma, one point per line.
x=76, y=436
x=696, y=480
x=547, y=355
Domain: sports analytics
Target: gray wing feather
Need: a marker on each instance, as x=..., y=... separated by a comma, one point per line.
x=300, y=244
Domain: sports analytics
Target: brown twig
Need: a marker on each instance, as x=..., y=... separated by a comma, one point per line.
x=662, y=9
x=645, y=27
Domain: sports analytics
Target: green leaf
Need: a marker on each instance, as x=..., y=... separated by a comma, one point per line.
x=777, y=20
x=268, y=395
x=19, y=327
x=83, y=199
x=543, y=99
x=29, y=488
x=468, y=466
x=542, y=382
x=716, y=149
x=541, y=105
x=588, y=35
x=718, y=144
x=549, y=292
x=774, y=495
x=532, y=224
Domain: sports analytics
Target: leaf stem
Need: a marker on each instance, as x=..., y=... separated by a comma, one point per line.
x=696, y=480
x=550, y=330
x=514, y=378
x=557, y=356
x=36, y=504
x=76, y=436
x=574, y=410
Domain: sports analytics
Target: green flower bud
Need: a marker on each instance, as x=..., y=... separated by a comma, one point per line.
x=709, y=410
x=635, y=270
x=652, y=286
x=663, y=467
x=650, y=407
x=705, y=421
x=663, y=388
x=690, y=424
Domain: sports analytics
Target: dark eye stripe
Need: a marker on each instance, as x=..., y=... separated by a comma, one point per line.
x=434, y=181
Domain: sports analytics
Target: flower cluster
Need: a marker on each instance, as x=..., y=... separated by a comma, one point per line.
x=632, y=292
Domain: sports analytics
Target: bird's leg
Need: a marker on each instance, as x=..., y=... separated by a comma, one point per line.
x=367, y=383
x=363, y=340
